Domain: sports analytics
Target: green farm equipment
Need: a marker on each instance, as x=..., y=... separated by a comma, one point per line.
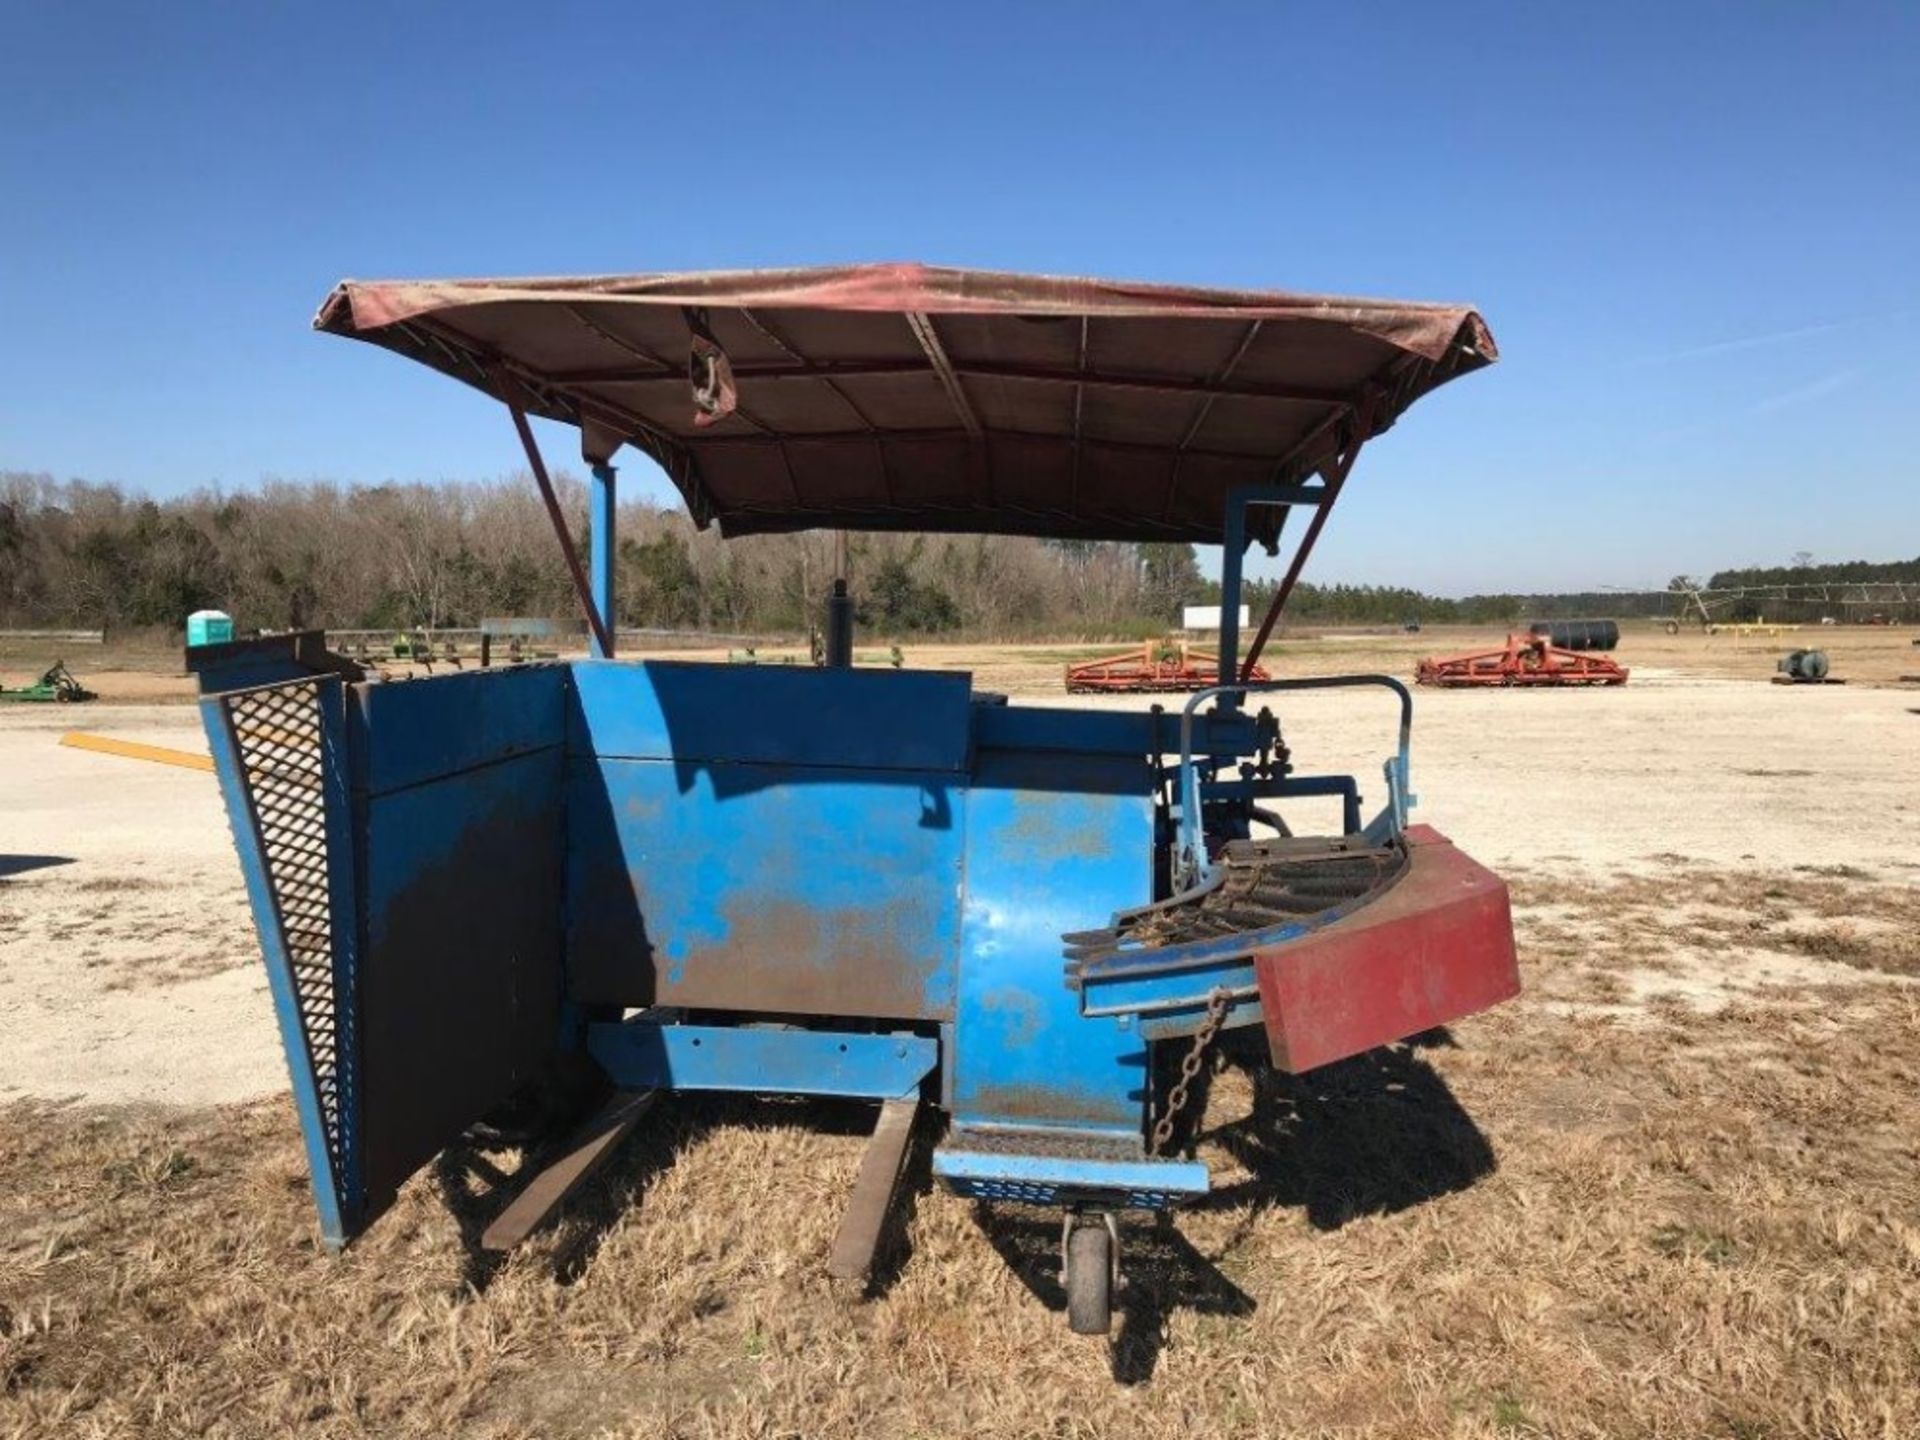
x=56, y=685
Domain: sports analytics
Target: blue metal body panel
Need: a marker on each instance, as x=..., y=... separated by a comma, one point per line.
x=344, y=880
x=1126, y=733
x=702, y=715
x=413, y=731
x=515, y=853
x=248, y=672
x=603, y=511
x=767, y=840
x=642, y=1054
x=461, y=977
x=1055, y=843
x=758, y=887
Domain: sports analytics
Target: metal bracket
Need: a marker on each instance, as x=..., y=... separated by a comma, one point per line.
x=644, y=1054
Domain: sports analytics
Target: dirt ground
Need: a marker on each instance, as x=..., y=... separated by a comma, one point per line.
x=1672, y=1191
x=146, y=671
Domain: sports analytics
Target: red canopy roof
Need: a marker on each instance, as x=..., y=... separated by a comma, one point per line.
x=910, y=397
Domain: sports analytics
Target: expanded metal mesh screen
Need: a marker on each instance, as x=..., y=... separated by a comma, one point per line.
x=281, y=740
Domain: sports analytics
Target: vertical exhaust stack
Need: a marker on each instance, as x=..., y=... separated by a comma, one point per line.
x=839, y=627
x=839, y=641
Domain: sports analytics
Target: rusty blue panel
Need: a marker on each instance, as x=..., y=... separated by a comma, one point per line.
x=1055, y=843
x=460, y=962
x=769, y=888
x=438, y=726
x=642, y=1054
x=699, y=714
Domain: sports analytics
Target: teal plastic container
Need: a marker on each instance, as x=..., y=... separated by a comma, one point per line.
x=209, y=627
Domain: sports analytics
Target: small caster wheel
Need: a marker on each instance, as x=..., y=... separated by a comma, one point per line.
x=1090, y=1278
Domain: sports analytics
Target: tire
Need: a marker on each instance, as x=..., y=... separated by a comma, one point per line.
x=1090, y=1280
x=1673, y=627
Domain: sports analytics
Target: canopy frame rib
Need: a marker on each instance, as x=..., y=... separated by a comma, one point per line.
x=929, y=341
x=1209, y=389
x=1210, y=397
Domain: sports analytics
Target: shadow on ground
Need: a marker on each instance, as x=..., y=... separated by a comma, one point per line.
x=11, y=865
x=1372, y=1135
x=475, y=1188
x=1368, y=1136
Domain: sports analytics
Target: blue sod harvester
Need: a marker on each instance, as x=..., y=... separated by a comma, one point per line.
x=826, y=881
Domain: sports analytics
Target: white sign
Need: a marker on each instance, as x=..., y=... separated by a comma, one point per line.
x=1206, y=617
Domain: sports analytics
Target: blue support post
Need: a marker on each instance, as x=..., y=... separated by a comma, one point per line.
x=602, y=503
x=1233, y=552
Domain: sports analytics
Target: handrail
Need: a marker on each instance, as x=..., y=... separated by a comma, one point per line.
x=1190, y=857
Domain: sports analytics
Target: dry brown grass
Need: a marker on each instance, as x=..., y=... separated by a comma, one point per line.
x=1704, y=1220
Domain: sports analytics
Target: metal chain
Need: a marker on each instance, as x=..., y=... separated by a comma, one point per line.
x=1218, y=1002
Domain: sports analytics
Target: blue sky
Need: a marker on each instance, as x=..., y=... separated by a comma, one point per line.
x=1694, y=229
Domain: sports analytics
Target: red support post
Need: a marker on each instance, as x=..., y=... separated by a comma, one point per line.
x=1337, y=477
x=595, y=622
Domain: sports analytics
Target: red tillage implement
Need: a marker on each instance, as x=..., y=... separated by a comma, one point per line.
x=1153, y=668
x=1524, y=660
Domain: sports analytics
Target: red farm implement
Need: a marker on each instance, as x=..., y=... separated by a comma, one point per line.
x=1523, y=660
x=1175, y=667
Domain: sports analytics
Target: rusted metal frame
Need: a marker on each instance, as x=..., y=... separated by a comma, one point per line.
x=1156, y=384
x=1238, y=456
x=812, y=517
x=665, y=368
x=1079, y=403
x=771, y=435
x=972, y=369
x=879, y=442
x=1336, y=478
x=585, y=1151
x=595, y=621
x=929, y=341
x=489, y=365
x=642, y=433
x=858, y=1239
x=1208, y=400
x=1285, y=464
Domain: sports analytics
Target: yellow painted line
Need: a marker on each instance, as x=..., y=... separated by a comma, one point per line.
x=133, y=750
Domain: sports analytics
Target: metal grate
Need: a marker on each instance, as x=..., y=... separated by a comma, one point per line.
x=1040, y=1192
x=281, y=742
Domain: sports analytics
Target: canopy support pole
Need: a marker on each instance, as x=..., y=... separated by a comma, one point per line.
x=1232, y=554
x=596, y=626
x=1241, y=499
x=602, y=500
x=1336, y=477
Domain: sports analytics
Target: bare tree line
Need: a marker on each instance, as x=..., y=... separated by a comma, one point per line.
x=317, y=553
